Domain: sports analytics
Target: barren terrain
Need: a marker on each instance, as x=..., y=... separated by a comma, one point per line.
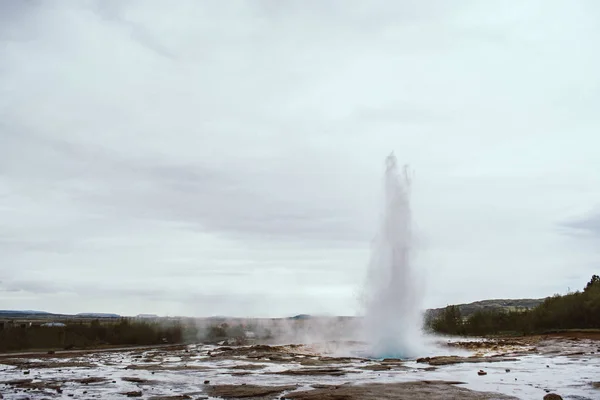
x=522, y=368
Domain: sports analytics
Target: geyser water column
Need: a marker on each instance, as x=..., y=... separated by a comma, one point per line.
x=392, y=308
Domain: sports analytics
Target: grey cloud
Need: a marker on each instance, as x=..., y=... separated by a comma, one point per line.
x=589, y=224
x=30, y=286
x=205, y=198
x=111, y=11
x=182, y=154
x=218, y=303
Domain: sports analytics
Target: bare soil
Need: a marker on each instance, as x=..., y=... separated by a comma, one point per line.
x=247, y=391
x=422, y=390
x=448, y=360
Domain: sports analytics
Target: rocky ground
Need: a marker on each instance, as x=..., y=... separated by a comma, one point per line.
x=525, y=368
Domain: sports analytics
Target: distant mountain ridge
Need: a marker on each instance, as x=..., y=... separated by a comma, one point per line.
x=466, y=310
x=25, y=312
x=97, y=315
x=35, y=313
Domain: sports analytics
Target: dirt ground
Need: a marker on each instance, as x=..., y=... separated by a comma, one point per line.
x=264, y=372
x=422, y=390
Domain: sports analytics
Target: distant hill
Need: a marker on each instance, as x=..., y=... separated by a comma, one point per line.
x=23, y=313
x=301, y=316
x=44, y=314
x=465, y=309
x=97, y=315
x=495, y=304
x=150, y=316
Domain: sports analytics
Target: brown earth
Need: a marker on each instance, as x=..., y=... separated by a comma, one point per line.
x=93, y=379
x=25, y=364
x=592, y=335
x=314, y=371
x=448, y=360
x=162, y=367
x=423, y=390
x=246, y=391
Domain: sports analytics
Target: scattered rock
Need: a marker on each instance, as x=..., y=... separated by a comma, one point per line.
x=507, y=370
x=206, y=382
x=314, y=371
x=552, y=396
x=376, y=367
x=406, y=390
x=481, y=372
x=134, y=379
x=18, y=382
x=448, y=360
x=26, y=372
x=323, y=386
x=246, y=391
x=133, y=394
x=26, y=364
x=158, y=367
x=576, y=353
x=91, y=379
x=248, y=366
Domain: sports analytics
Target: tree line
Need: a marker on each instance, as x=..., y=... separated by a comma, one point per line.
x=579, y=310
x=90, y=335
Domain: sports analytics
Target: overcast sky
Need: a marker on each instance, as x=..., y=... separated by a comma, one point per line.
x=226, y=157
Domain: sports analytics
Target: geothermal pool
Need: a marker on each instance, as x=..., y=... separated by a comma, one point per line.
x=515, y=368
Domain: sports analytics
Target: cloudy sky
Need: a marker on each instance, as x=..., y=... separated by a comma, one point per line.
x=205, y=158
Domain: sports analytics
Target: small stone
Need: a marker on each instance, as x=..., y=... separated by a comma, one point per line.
x=507, y=370
x=481, y=372
x=133, y=394
x=552, y=396
x=26, y=372
x=206, y=382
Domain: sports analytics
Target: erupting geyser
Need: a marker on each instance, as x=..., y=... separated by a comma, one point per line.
x=392, y=309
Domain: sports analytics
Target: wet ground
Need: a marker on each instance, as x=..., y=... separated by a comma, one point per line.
x=527, y=368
